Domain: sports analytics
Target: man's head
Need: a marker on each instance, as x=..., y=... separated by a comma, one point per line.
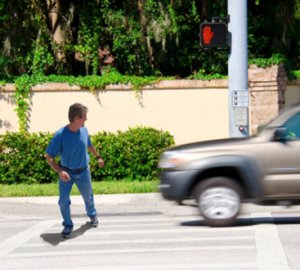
x=77, y=111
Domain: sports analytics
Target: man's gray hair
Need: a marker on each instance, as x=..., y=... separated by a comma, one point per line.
x=76, y=109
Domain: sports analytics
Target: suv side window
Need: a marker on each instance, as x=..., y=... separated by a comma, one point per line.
x=293, y=127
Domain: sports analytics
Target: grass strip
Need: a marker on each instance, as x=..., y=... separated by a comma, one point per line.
x=104, y=187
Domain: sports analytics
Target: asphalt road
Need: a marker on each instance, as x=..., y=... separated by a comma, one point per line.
x=138, y=232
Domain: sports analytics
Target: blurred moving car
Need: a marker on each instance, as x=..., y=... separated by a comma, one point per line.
x=221, y=175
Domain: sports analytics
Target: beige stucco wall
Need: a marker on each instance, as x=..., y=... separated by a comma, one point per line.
x=8, y=117
x=292, y=95
x=188, y=111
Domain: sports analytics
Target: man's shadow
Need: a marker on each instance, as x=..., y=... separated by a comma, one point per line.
x=55, y=238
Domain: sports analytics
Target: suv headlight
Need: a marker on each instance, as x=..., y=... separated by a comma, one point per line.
x=171, y=160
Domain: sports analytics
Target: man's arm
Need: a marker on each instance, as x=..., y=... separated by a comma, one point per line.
x=63, y=175
x=96, y=154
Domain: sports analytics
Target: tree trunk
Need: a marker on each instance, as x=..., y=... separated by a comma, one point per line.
x=143, y=22
x=54, y=15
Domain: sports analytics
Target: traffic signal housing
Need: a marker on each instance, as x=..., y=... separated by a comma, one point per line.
x=213, y=35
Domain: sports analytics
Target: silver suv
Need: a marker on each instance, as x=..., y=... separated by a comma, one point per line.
x=221, y=175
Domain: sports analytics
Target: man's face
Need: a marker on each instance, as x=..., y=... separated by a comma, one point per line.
x=81, y=120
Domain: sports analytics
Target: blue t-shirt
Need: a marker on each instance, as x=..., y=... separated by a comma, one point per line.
x=71, y=147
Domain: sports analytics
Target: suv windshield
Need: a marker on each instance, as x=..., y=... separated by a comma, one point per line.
x=293, y=127
x=289, y=119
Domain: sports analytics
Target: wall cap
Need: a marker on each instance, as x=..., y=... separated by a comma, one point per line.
x=166, y=84
x=294, y=82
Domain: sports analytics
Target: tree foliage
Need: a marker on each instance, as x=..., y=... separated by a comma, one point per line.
x=140, y=37
x=273, y=29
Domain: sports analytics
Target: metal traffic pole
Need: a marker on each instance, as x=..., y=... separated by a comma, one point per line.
x=238, y=69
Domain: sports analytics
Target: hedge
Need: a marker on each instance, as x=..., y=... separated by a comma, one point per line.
x=130, y=155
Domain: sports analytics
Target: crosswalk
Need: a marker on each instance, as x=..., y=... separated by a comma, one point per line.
x=143, y=242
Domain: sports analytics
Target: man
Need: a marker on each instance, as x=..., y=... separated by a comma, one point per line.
x=71, y=143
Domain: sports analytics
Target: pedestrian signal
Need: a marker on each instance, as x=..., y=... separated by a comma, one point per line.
x=213, y=35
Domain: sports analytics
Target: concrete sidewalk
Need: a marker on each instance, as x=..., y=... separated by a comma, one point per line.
x=107, y=199
x=115, y=204
x=122, y=203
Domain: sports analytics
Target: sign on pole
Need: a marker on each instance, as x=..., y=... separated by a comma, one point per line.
x=213, y=35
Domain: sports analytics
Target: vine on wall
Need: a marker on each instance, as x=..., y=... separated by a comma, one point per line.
x=22, y=98
x=109, y=76
x=92, y=82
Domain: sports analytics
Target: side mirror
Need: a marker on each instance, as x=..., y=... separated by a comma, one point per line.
x=280, y=134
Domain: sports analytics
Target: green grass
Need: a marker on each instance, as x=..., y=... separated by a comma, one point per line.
x=104, y=187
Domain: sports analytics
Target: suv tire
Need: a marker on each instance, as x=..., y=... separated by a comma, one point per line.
x=219, y=200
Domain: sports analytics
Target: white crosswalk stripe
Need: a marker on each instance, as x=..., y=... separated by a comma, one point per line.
x=142, y=242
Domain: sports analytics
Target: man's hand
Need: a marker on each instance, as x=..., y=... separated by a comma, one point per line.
x=101, y=162
x=64, y=176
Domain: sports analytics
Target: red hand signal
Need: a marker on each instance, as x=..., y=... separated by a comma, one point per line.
x=207, y=34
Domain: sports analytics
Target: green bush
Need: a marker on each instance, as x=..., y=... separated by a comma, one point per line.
x=132, y=155
x=22, y=158
x=296, y=74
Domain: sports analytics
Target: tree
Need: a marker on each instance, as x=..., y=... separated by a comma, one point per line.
x=57, y=34
x=141, y=37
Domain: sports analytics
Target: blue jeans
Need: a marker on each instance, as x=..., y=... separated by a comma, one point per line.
x=84, y=184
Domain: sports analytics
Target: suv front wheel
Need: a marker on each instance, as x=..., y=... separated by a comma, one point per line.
x=219, y=200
